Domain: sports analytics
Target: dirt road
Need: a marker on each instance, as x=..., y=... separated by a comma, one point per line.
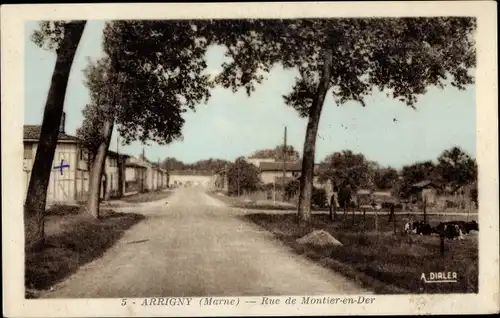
x=196, y=246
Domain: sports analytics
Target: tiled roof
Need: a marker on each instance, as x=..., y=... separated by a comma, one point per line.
x=133, y=164
x=422, y=184
x=289, y=166
x=116, y=154
x=32, y=132
x=278, y=166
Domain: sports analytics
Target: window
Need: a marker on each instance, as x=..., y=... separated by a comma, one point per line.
x=28, y=152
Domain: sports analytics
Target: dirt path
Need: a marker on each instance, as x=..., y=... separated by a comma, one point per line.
x=196, y=246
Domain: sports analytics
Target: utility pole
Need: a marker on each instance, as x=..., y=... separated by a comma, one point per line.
x=238, y=178
x=143, y=179
x=284, y=165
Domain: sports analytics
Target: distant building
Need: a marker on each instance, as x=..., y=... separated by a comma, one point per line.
x=272, y=172
x=144, y=175
x=135, y=176
x=256, y=161
x=425, y=190
x=205, y=179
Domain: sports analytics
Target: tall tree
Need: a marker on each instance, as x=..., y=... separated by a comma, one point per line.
x=414, y=173
x=89, y=133
x=347, y=169
x=170, y=163
x=456, y=168
x=348, y=57
x=385, y=178
x=243, y=177
x=152, y=74
x=63, y=37
x=102, y=82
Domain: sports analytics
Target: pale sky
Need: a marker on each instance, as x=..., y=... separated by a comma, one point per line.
x=232, y=125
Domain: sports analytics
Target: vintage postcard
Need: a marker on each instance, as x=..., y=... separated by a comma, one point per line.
x=241, y=159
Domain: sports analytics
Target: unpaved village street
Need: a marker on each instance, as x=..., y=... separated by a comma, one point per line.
x=194, y=245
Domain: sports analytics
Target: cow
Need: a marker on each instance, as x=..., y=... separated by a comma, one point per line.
x=418, y=227
x=466, y=227
x=471, y=226
x=449, y=230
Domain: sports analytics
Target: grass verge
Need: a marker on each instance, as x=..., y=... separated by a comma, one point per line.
x=385, y=262
x=147, y=196
x=72, y=240
x=244, y=203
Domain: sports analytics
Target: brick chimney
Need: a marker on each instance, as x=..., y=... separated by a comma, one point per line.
x=63, y=123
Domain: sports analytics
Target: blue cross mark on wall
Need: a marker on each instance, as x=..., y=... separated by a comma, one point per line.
x=62, y=166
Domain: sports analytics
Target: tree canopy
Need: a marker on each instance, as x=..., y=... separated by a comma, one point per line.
x=159, y=67
x=385, y=178
x=403, y=55
x=278, y=153
x=456, y=168
x=347, y=169
x=243, y=177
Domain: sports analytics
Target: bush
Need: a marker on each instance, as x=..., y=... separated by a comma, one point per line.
x=292, y=188
x=319, y=198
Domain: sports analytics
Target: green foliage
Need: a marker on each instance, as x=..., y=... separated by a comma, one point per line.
x=278, y=153
x=243, y=177
x=473, y=196
x=344, y=195
x=402, y=56
x=385, y=178
x=172, y=164
x=318, y=198
x=414, y=173
x=347, y=168
x=152, y=74
x=455, y=168
x=211, y=165
x=292, y=188
x=49, y=34
x=90, y=132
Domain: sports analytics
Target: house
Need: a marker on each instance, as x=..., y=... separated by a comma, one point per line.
x=70, y=175
x=135, y=176
x=205, y=179
x=256, y=161
x=113, y=182
x=69, y=178
x=272, y=172
x=424, y=191
x=143, y=175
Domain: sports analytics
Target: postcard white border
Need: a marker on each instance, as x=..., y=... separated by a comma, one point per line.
x=12, y=22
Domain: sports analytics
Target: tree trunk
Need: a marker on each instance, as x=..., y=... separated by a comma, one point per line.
x=306, y=178
x=97, y=170
x=36, y=197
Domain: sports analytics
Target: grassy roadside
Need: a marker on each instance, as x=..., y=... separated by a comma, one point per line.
x=147, y=196
x=384, y=262
x=72, y=240
x=244, y=203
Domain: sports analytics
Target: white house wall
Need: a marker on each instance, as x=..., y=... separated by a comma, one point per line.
x=205, y=181
x=61, y=188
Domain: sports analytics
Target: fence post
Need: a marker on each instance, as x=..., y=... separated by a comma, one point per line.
x=376, y=221
x=425, y=210
x=353, y=215
x=393, y=219
x=334, y=211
